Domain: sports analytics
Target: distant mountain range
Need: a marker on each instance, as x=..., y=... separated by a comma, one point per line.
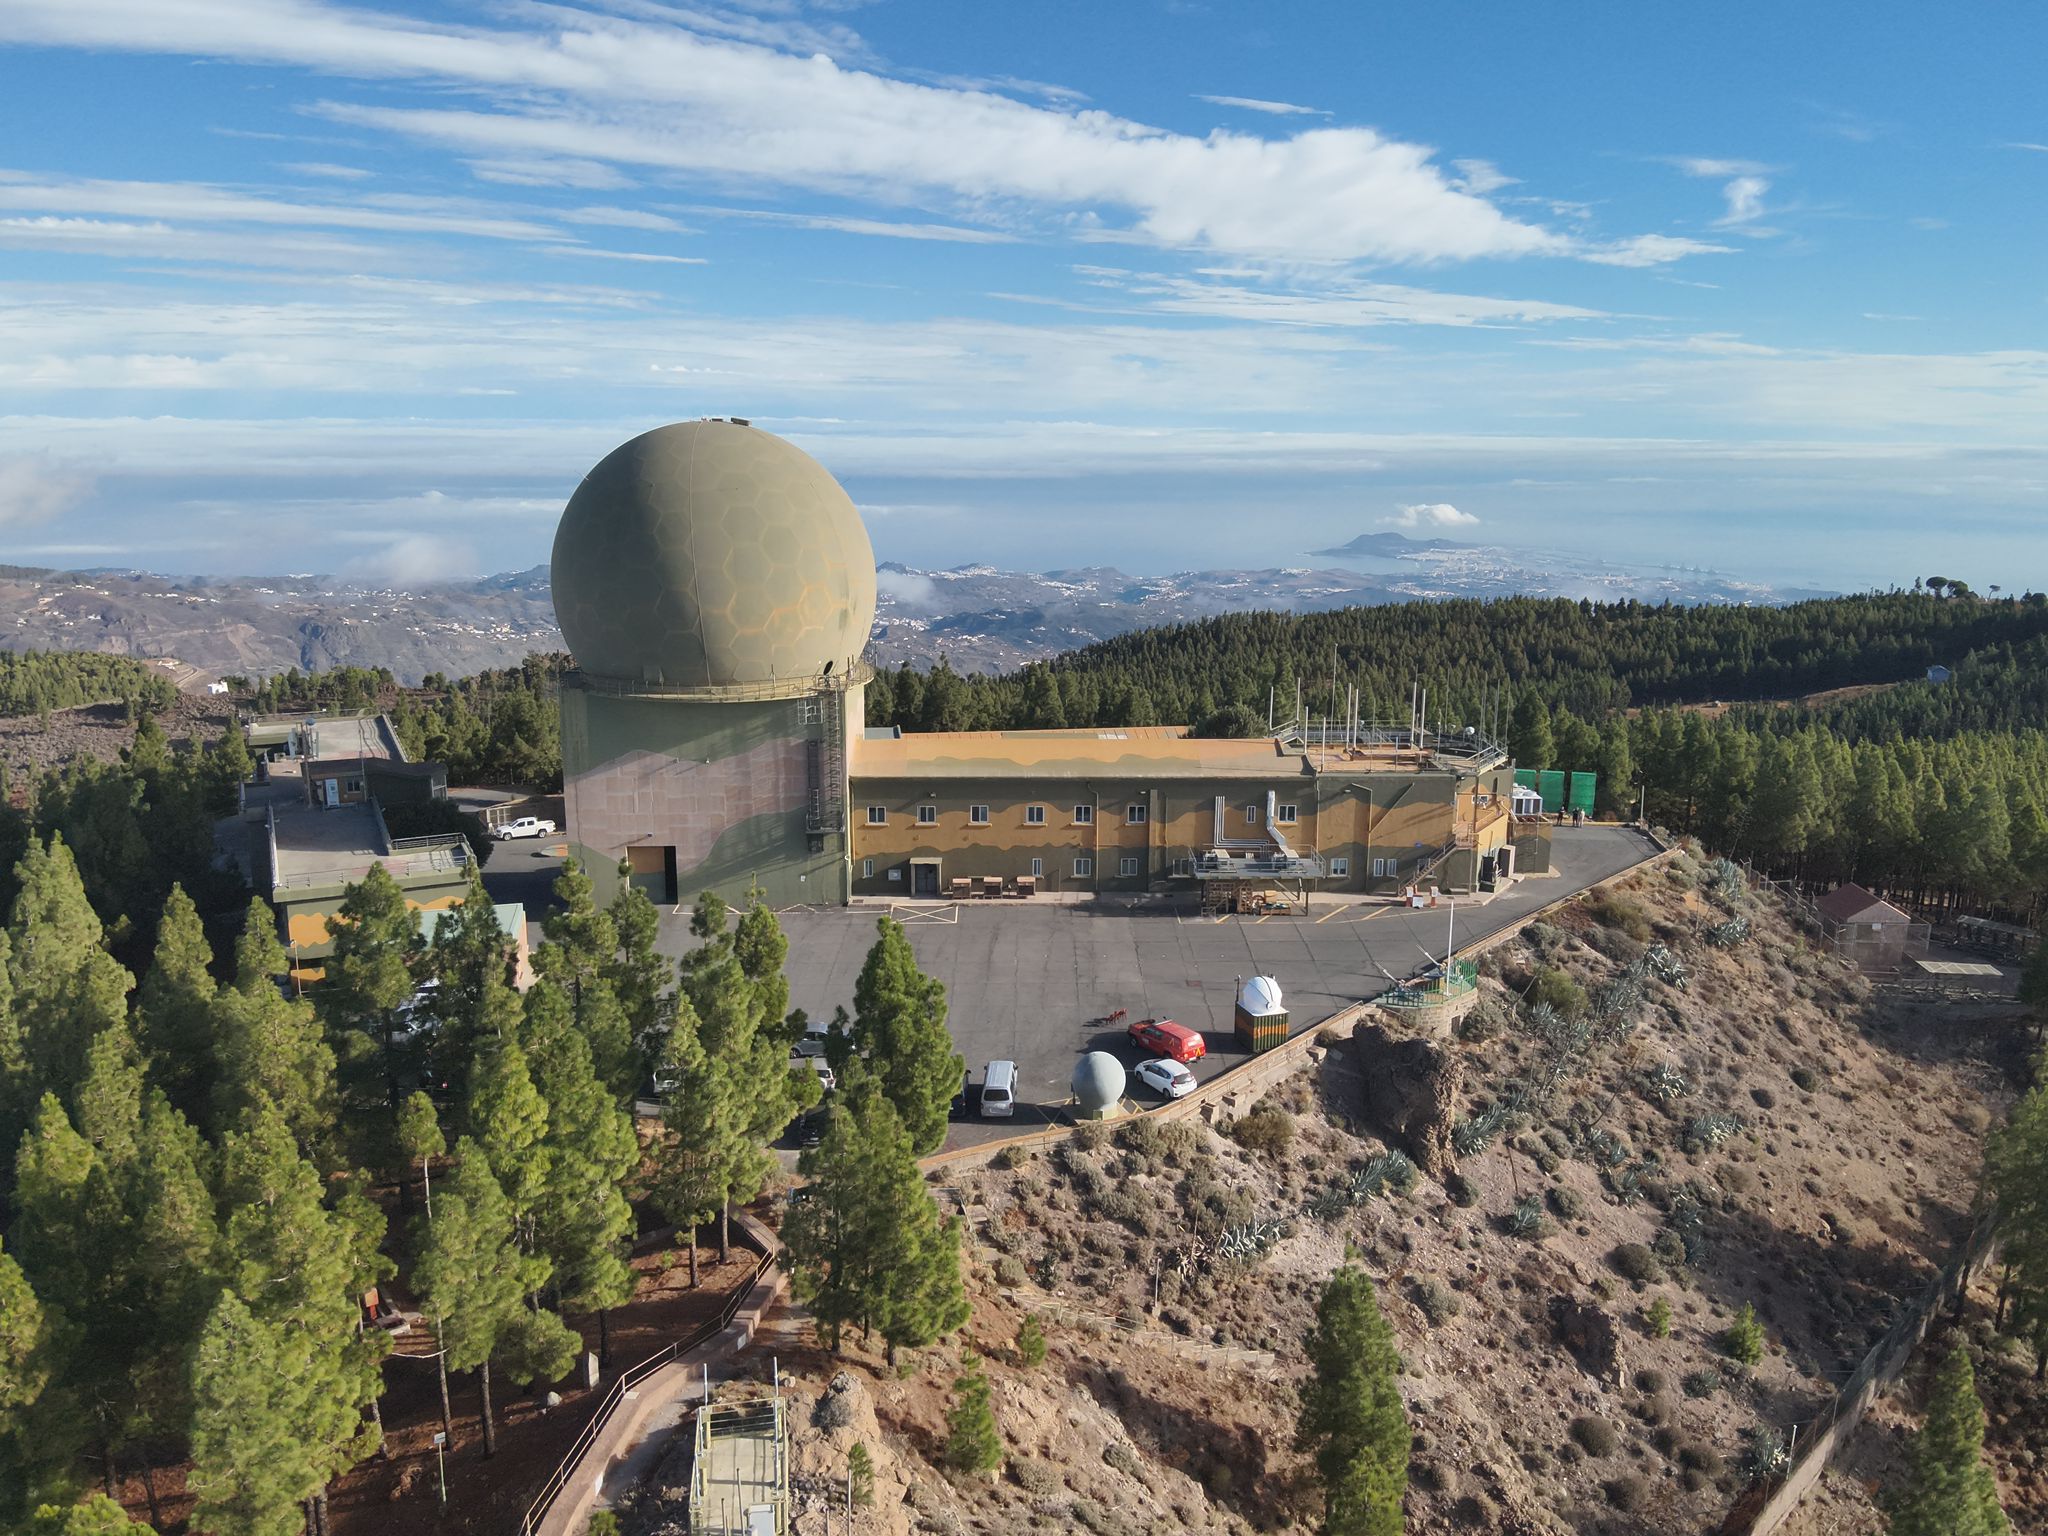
x=980, y=618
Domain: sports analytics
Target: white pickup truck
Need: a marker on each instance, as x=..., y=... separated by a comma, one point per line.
x=525, y=826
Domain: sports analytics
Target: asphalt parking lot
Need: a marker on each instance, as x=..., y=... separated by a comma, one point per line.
x=1028, y=981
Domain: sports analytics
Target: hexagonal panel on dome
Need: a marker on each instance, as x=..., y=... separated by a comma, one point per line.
x=707, y=554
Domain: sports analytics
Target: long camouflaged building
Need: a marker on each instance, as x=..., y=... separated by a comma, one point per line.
x=716, y=587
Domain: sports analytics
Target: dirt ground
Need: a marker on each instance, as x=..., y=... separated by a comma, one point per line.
x=101, y=732
x=1775, y=1133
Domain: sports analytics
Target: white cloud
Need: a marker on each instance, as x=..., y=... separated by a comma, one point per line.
x=1333, y=302
x=1270, y=108
x=887, y=228
x=594, y=89
x=1712, y=169
x=326, y=170
x=905, y=588
x=655, y=257
x=1745, y=196
x=1439, y=514
x=413, y=558
x=1480, y=177
x=1650, y=251
x=2039, y=149
x=36, y=487
x=624, y=218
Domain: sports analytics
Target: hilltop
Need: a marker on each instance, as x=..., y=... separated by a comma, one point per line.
x=1753, y=1125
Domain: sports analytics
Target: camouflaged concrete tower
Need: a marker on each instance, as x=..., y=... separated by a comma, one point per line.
x=716, y=588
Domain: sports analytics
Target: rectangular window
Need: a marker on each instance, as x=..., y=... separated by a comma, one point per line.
x=1134, y=815
x=977, y=815
x=1034, y=815
x=896, y=874
x=1127, y=867
x=927, y=815
x=1382, y=868
x=1083, y=815
x=867, y=869
x=878, y=815
x=1339, y=868
x=1037, y=869
x=1284, y=814
x=1083, y=868
x=1251, y=815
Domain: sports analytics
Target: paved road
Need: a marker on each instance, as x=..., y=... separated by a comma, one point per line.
x=1025, y=979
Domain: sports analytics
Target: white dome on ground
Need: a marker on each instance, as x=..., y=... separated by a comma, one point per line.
x=1261, y=996
x=1098, y=1083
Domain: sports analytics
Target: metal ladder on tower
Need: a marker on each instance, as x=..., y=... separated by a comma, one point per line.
x=832, y=715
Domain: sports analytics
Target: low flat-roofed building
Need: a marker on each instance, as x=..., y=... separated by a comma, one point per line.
x=1144, y=808
x=511, y=918
x=308, y=856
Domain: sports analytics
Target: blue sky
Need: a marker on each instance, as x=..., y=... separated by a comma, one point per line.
x=296, y=285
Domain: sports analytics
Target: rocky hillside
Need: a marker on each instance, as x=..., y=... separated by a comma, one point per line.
x=1666, y=1107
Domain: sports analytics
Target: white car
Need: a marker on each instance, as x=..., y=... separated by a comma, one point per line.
x=1168, y=1079
x=525, y=826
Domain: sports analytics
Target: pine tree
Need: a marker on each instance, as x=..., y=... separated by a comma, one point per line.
x=41, y=1424
x=295, y=1271
x=899, y=1026
x=701, y=1134
x=419, y=1137
x=1351, y=1413
x=269, y=1051
x=508, y=1119
x=583, y=1219
x=370, y=972
x=974, y=1444
x=260, y=958
x=66, y=988
x=1031, y=1341
x=866, y=1246
x=473, y=1279
x=2016, y=1169
x=641, y=980
x=174, y=1007
x=1949, y=1491
x=97, y=1516
x=468, y=951
x=1529, y=738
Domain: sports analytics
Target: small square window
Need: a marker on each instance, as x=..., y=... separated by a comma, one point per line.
x=867, y=869
x=1251, y=815
x=1127, y=867
x=1037, y=868
x=1339, y=868
x=1083, y=868
x=1284, y=814
x=878, y=815
x=1134, y=815
x=977, y=815
x=1034, y=815
x=895, y=874
x=1083, y=815
x=927, y=815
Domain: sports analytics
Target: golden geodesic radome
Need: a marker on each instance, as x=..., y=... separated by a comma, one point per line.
x=711, y=554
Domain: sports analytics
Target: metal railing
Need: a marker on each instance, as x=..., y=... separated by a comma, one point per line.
x=625, y=1381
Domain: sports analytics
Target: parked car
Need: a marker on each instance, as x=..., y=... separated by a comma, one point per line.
x=827, y=1079
x=812, y=1041
x=999, y=1090
x=1163, y=1037
x=1168, y=1079
x=525, y=826
x=665, y=1079
x=811, y=1127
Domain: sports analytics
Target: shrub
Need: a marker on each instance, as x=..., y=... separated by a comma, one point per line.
x=1557, y=990
x=1031, y=1341
x=1765, y=1099
x=1010, y=1157
x=1120, y=1456
x=1462, y=1190
x=1010, y=1272
x=602, y=1522
x=1088, y=1135
x=1650, y=1382
x=1569, y=1204
x=1265, y=1132
x=1615, y=911
x=1629, y=1492
x=1035, y=1477
x=1700, y=1458
x=1140, y=1134
x=1744, y=1340
x=1659, y=1318
x=1594, y=1436
x=1805, y=1079
x=1701, y=1383
x=1437, y=1301
x=1526, y=1219
x=1632, y=1261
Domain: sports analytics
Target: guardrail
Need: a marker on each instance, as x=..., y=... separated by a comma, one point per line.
x=624, y=1382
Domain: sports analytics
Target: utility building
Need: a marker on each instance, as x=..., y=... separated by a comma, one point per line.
x=716, y=587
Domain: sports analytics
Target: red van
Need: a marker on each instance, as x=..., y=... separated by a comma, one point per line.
x=1163, y=1037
